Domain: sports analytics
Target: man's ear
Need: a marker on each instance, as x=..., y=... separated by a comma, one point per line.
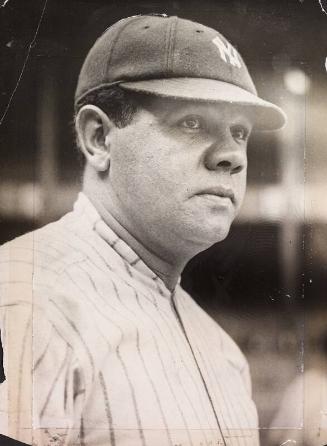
x=93, y=129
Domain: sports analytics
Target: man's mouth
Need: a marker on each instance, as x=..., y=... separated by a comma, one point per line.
x=219, y=191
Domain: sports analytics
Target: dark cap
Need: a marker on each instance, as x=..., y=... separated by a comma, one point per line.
x=174, y=57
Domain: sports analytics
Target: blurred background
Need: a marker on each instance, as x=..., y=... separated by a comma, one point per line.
x=266, y=283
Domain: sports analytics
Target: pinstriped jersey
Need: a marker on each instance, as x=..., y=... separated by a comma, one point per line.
x=97, y=351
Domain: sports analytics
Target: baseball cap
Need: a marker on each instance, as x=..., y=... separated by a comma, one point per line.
x=173, y=57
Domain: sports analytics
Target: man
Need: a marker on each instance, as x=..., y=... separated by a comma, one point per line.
x=97, y=332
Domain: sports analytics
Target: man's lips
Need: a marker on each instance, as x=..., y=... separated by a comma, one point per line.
x=219, y=191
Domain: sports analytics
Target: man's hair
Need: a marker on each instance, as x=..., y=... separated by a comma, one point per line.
x=118, y=104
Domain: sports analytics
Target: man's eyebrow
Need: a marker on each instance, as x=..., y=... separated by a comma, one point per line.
x=170, y=110
x=166, y=111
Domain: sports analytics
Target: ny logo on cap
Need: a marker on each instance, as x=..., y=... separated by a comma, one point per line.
x=227, y=52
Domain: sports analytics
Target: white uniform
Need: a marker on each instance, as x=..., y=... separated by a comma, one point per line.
x=106, y=353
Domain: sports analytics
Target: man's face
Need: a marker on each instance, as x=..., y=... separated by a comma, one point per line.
x=177, y=173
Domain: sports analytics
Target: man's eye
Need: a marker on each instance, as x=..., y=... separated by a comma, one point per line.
x=240, y=133
x=192, y=123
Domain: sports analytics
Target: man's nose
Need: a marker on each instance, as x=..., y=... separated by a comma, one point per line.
x=227, y=156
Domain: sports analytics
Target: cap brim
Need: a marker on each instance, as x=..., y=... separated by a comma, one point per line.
x=267, y=116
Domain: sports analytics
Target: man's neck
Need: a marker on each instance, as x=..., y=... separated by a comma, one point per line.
x=168, y=272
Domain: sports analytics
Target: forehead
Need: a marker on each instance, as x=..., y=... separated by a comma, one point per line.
x=164, y=108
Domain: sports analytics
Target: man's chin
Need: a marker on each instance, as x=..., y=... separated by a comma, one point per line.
x=218, y=236
x=208, y=236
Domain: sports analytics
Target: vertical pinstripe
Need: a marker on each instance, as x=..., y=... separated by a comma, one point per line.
x=41, y=357
x=138, y=419
x=21, y=367
x=154, y=390
x=82, y=433
x=61, y=368
x=107, y=409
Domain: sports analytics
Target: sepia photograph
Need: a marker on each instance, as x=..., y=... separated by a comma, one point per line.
x=163, y=223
